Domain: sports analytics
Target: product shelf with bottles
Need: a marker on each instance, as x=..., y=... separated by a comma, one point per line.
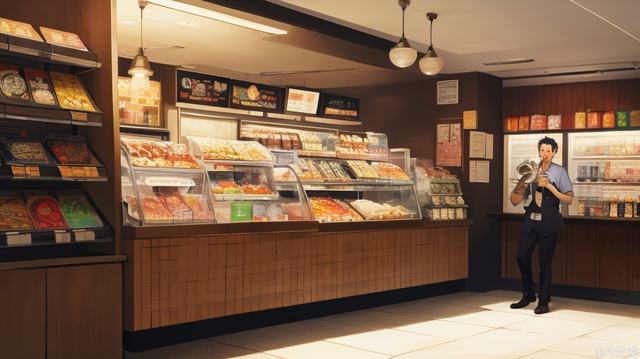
x=241, y=176
x=605, y=168
x=440, y=194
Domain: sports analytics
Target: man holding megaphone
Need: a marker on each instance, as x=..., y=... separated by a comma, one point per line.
x=542, y=187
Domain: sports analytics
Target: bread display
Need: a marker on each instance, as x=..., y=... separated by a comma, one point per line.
x=372, y=210
x=14, y=214
x=388, y=170
x=148, y=153
x=325, y=209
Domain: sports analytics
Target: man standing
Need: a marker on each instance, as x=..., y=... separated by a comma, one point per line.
x=542, y=222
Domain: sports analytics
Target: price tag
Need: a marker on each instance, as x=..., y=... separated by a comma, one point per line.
x=78, y=116
x=17, y=239
x=79, y=172
x=63, y=237
x=91, y=172
x=32, y=171
x=18, y=171
x=84, y=235
x=65, y=171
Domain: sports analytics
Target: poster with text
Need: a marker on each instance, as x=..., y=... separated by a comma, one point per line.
x=449, y=152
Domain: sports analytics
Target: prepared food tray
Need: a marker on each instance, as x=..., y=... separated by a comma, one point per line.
x=199, y=207
x=79, y=212
x=444, y=188
x=164, y=154
x=152, y=207
x=390, y=171
x=46, y=212
x=62, y=38
x=14, y=215
x=353, y=144
x=175, y=203
x=12, y=85
x=214, y=149
x=362, y=169
x=41, y=88
x=307, y=170
x=225, y=186
x=283, y=174
x=72, y=152
x=440, y=214
x=326, y=209
x=19, y=29
x=447, y=200
x=23, y=150
x=375, y=211
x=71, y=93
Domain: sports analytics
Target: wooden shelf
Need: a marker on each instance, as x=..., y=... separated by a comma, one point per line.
x=47, y=53
x=34, y=113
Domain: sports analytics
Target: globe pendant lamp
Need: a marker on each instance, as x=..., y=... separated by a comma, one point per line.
x=430, y=64
x=403, y=55
x=140, y=69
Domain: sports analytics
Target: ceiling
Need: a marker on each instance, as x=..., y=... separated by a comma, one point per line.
x=562, y=36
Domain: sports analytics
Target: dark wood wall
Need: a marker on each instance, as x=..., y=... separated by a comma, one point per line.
x=565, y=99
x=407, y=113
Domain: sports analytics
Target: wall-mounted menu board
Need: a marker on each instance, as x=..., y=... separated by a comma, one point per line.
x=340, y=106
x=302, y=101
x=250, y=96
x=202, y=89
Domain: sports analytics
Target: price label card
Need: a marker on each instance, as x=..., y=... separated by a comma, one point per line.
x=79, y=172
x=83, y=235
x=63, y=237
x=65, y=171
x=17, y=239
x=79, y=116
x=32, y=171
x=18, y=171
x=91, y=172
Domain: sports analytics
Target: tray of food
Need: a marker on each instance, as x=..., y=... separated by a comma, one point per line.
x=41, y=88
x=163, y=154
x=79, y=212
x=46, y=212
x=72, y=152
x=388, y=170
x=375, y=211
x=23, y=151
x=14, y=215
x=12, y=85
x=71, y=93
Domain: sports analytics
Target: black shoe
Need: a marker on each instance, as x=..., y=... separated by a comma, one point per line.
x=523, y=302
x=541, y=308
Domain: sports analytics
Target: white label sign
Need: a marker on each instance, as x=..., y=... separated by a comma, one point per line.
x=447, y=92
x=302, y=101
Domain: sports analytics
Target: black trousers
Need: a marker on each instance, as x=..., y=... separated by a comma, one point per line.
x=546, y=246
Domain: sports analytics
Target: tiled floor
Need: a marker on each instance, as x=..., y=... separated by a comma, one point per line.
x=461, y=325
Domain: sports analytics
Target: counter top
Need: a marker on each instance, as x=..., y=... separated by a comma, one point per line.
x=61, y=262
x=519, y=216
x=170, y=231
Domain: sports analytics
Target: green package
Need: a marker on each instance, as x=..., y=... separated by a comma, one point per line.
x=78, y=212
x=622, y=118
x=242, y=211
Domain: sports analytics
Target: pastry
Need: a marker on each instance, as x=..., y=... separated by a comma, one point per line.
x=20, y=29
x=78, y=212
x=72, y=152
x=24, y=150
x=45, y=212
x=147, y=153
x=12, y=84
x=389, y=171
x=199, y=207
x=325, y=209
x=62, y=38
x=375, y=211
x=14, y=214
x=173, y=201
x=40, y=86
x=70, y=92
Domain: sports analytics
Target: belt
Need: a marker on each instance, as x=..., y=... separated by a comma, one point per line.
x=536, y=216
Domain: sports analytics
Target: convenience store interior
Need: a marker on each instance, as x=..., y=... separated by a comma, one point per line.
x=342, y=231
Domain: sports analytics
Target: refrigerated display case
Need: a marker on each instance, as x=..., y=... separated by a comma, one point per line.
x=518, y=148
x=305, y=141
x=163, y=184
x=605, y=169
x=241, y=177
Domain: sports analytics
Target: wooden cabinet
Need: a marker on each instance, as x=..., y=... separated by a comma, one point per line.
x=61, y=308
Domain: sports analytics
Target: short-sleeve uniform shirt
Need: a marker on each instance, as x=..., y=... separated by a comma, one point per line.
x=557, y=175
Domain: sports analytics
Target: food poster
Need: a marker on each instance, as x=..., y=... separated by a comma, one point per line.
x=79, y=212
x=40, y=87
x=449, y=152
x=12, y=85
x=250, y=96
x=342, y=106
x=202, y=89
x=45, y=212
x=14, y=214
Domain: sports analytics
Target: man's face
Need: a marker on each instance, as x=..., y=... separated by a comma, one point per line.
x=546, y=153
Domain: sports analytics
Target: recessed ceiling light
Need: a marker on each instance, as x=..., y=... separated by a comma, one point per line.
x=127, y=22
x=517, y=60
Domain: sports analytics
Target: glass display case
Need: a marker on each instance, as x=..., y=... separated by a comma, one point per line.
x=163, y=184
x=305, y=141
x=439, y=194
x=138, y=106
x=241, y=176
x=518, y=148
x=605, y=169
x=354, y=190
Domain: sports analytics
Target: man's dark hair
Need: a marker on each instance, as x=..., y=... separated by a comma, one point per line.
x=548, y=141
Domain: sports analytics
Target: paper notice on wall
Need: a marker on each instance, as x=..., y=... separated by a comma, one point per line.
x=477, y=144
x=489, y=147
x=479, y=171
x=449, y=145
x=443, y=132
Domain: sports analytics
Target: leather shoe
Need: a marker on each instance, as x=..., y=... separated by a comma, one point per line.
x=524, y=301
x=541, y=308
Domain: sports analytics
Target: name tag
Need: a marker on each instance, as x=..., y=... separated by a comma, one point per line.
x=536, y=216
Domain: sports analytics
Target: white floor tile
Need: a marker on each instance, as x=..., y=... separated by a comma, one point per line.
x=321, y=329
x=388, y=341
x=489, y=318
x=559, y=327
x=373, y=319
x=595, y=348
x=618, y=333
x=430, y=310
x=324, y=350
x=548, y=354
x=445, y=329
x=263, y=339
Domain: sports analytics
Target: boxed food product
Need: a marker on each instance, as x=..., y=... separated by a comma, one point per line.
x=523, y=123
x=199, y=207
x=390, y=171
x=45, y=212
x=283, y=174
x=71, y=93
x=62, y=38
x=635, y=118
x=23, y=150
x=539, y=122
x=622, y=119
x=292, y=210
x=14, y=214
x=511, y=124
x=40, y=87
x=554, y=122
x=609, y=119
x=72, y=152
x=594, y=119
x=19, y=29
x=580, y=120
x=79, y=212
x=12, y=85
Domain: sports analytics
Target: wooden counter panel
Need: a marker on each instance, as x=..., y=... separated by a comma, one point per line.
x=185, y=279
x=175, y=231
x=614, y=257
x=582, y=255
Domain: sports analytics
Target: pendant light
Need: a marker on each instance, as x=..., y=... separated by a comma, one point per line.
x=140, y=69
x=403, y=55
x=430, y=64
